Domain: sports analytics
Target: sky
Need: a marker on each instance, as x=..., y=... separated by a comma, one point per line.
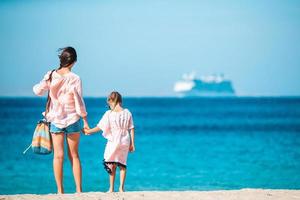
x=141, y=48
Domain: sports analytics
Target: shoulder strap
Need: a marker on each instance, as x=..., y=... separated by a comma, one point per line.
x=48, y=97
x=109, y=118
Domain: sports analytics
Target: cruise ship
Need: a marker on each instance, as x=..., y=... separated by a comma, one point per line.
x=211, y=85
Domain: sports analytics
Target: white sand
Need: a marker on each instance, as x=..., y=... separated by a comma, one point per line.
x=253, y=194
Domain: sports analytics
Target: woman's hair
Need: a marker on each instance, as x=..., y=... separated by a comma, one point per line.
x=67, y=56
x=115, y=98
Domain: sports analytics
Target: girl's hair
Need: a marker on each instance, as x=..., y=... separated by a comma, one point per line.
x=114, y=97
x=67, y=56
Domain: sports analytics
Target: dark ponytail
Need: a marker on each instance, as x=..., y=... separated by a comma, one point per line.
x=67, y=56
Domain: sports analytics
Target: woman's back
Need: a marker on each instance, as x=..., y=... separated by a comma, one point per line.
x=67, y=104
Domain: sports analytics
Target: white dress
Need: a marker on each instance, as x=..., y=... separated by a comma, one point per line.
x=115, y=127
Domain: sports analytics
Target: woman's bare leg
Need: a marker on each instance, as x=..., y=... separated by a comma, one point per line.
x=112, y=178
x=73, y=143
x=122, y=178
x=58, y=159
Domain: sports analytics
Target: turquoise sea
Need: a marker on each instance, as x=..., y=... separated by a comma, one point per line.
x=181, y=144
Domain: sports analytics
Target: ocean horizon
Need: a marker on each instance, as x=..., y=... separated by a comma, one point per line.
x=201, y=144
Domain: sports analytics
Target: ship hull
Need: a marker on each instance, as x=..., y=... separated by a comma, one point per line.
x=210, y=86
x=204, y=94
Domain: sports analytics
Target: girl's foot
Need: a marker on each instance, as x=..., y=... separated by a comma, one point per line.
x=121, y=189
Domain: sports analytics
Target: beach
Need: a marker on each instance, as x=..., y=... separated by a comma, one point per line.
x=247, y=194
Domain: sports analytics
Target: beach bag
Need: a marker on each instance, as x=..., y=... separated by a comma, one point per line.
x=41, y=140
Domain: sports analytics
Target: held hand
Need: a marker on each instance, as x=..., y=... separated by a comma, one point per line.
x=85, y=123
x=131, y=148
x=86, y=131
x=86, y=126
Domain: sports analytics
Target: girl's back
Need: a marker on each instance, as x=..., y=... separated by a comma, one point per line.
x=120, y=121
x=115, y=126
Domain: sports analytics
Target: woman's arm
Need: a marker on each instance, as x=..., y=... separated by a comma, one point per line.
x=40, y=88
x=85, y=123
x=132, y=146
x=79, y=102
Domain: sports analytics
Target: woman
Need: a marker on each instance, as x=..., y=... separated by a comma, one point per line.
x=65, y=109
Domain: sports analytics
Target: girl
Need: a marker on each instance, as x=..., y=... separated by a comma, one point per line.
x=65, y=109
x=116, y=124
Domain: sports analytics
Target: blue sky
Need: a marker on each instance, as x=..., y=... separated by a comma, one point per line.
x=141, y=48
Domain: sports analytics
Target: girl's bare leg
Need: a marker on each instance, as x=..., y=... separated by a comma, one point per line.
x=112, y=178
x=73, y=142
x=58, y=159
x=122, y=178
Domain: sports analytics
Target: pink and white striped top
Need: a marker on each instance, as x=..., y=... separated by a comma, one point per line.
x=67, y=105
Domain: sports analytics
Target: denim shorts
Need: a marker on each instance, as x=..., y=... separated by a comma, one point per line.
x=73, y=128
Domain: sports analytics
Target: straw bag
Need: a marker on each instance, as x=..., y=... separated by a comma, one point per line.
x=41, y=140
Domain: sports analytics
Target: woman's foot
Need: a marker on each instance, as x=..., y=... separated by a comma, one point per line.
x=78, y=190
x=110, y=190
x=60, y=190
x=121, y=189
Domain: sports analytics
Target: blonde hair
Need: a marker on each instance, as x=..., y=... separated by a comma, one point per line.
x=115, y=98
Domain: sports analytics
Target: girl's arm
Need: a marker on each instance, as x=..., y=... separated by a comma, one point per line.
x=90, y=131
x=132, y=146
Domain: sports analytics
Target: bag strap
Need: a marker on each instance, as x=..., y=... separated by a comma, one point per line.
x=48, y=97
x=108, y=119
